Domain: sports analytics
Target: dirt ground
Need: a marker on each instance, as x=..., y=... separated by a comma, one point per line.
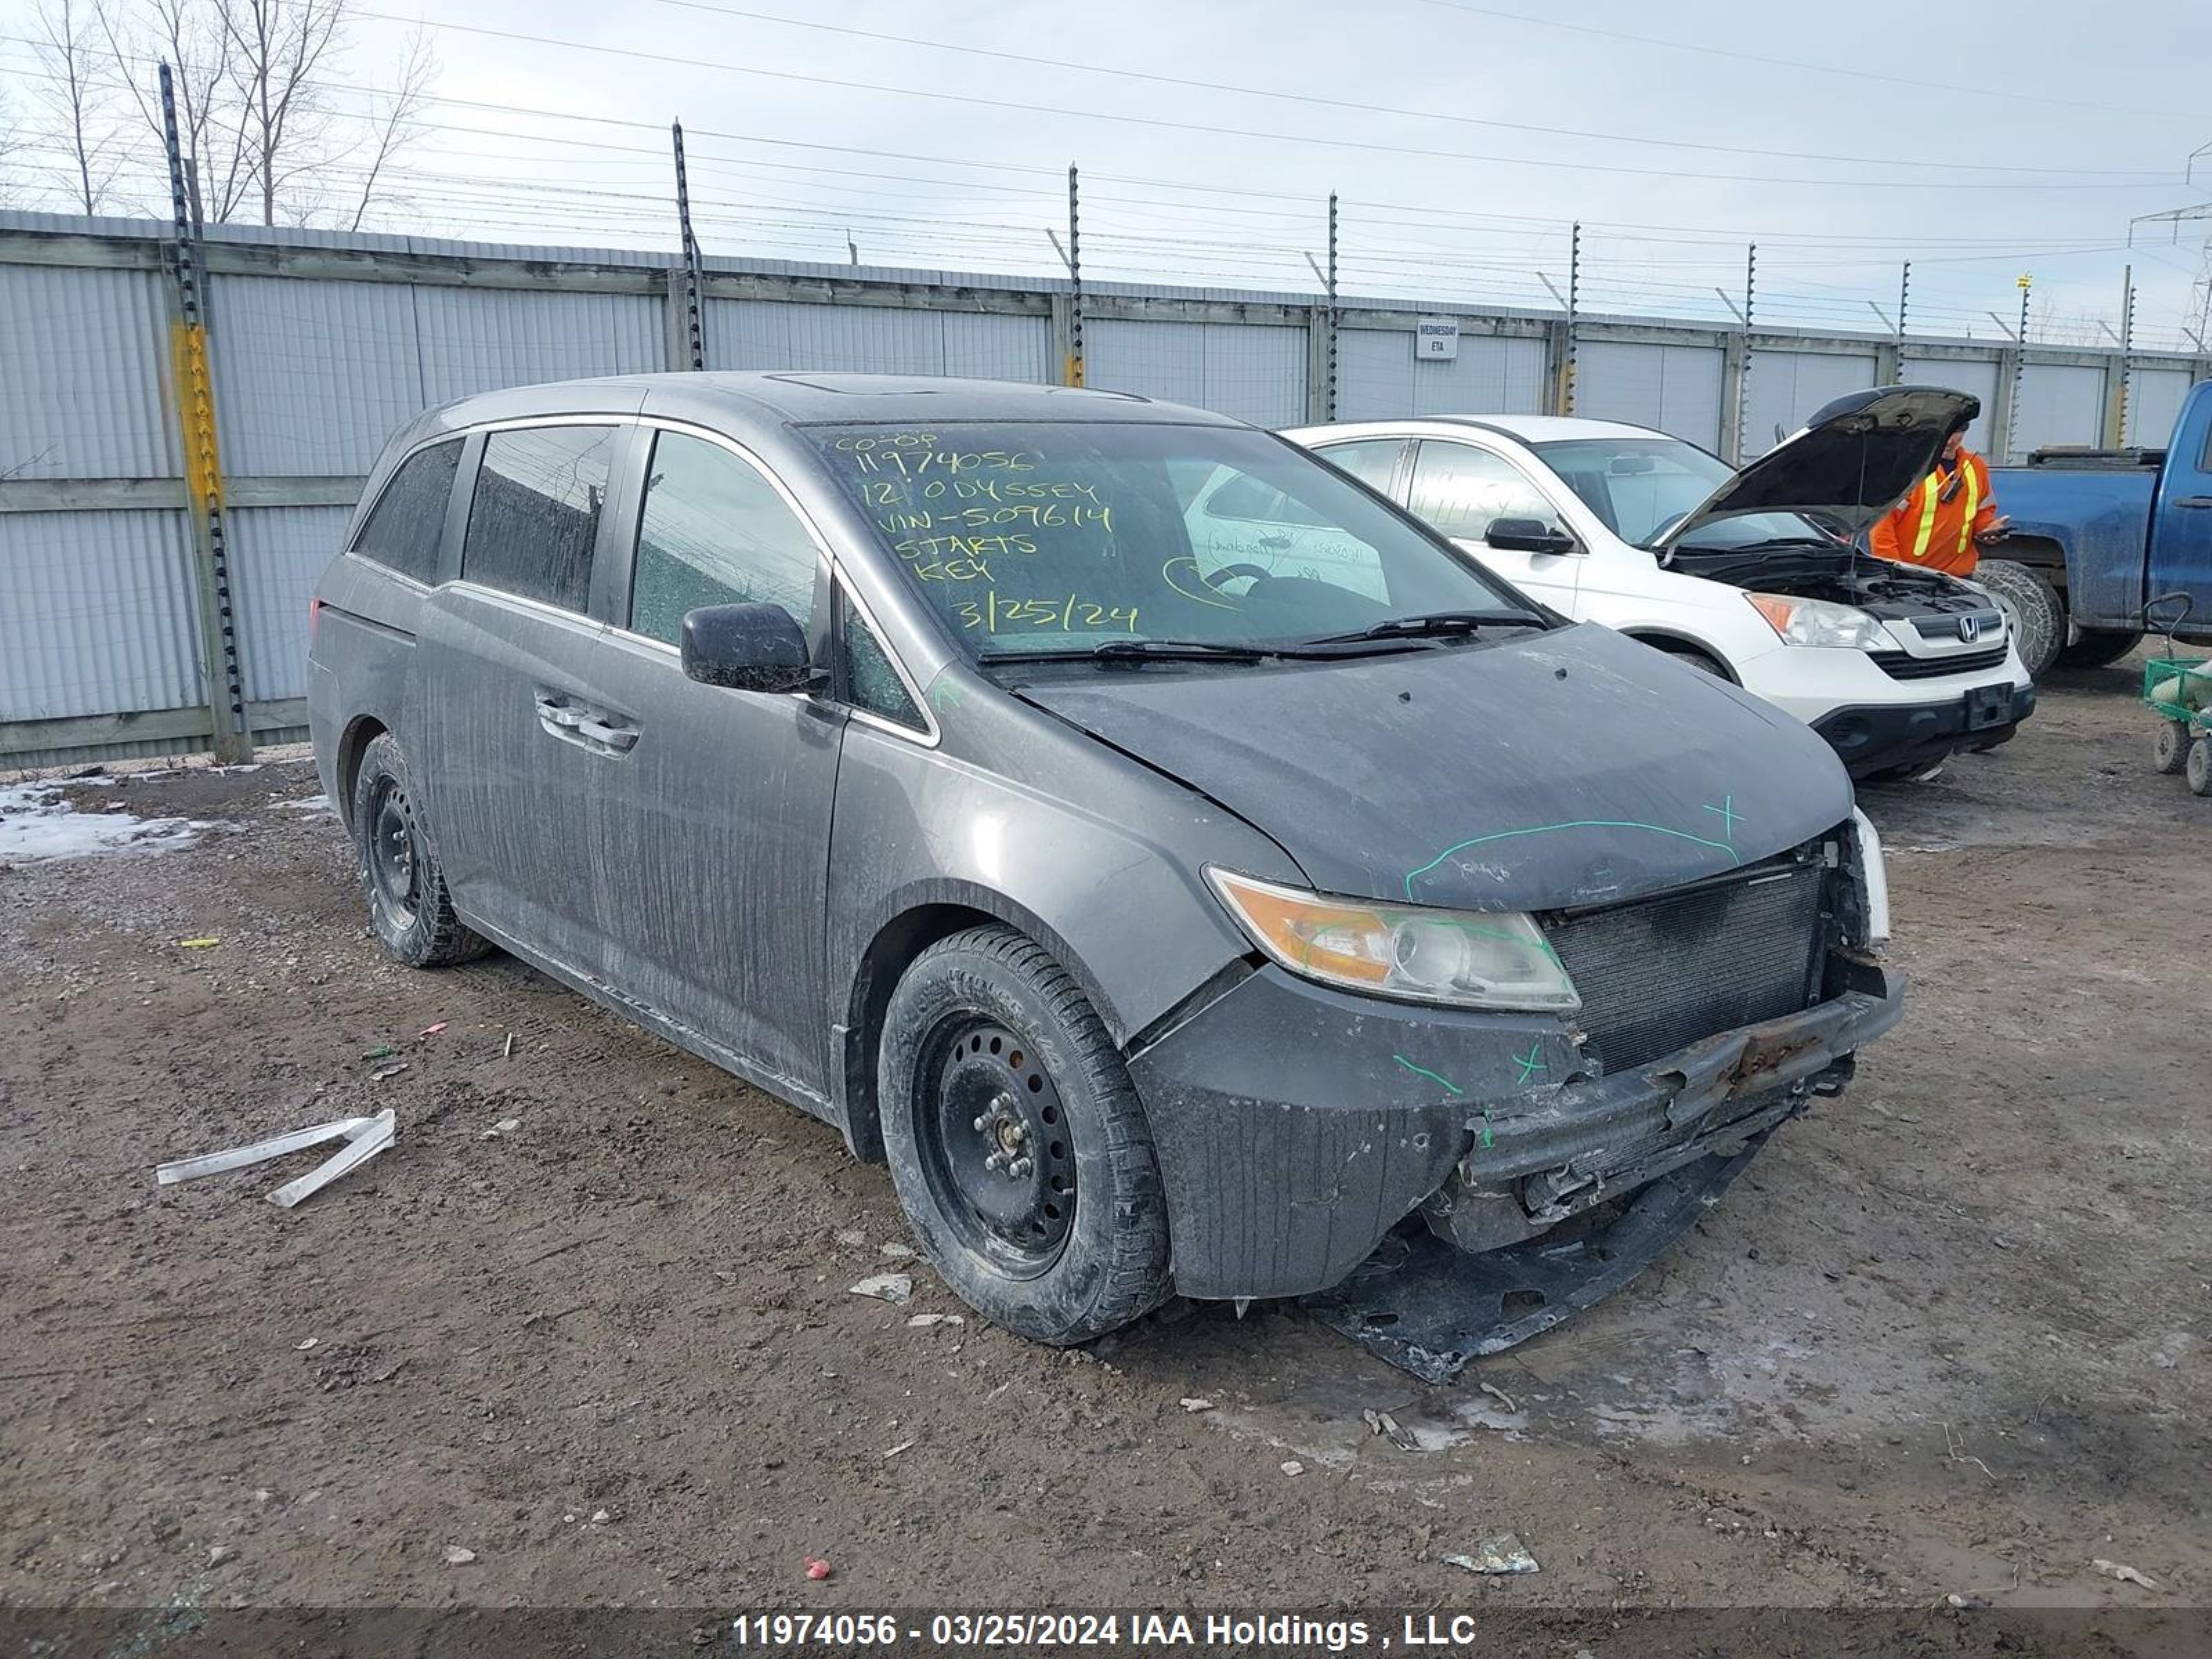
x=1948, y=1336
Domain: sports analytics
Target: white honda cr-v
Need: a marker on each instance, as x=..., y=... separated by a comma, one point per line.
x=1751, y=574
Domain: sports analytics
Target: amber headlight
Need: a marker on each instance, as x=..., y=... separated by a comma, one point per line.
x=1816, y=622
x=1467, y=959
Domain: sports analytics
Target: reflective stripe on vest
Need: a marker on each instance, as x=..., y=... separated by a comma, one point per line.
x=1930, y=488
x=1974, y=506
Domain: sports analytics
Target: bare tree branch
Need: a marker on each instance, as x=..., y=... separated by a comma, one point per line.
x=399, y=122
x=188, y=36
x=253, y=122
x=76, y=97
x=277, y=46
x=9, y=144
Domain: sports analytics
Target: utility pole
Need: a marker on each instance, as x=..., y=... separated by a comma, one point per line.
x=694, y=321
x=229, y=734
x=1329, y=405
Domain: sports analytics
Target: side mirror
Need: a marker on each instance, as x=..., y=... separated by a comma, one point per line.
x=1526, y=536
x=747, y=647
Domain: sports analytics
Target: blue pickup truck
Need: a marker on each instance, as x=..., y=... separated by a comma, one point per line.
x=2096, y=534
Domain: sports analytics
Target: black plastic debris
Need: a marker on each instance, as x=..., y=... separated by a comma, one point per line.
x=1429, y=1309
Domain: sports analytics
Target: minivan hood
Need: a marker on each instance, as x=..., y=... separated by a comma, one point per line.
x=1568, y=767
x=1851, y=461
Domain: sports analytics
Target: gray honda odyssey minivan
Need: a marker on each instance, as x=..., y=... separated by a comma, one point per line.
x=1169, y=914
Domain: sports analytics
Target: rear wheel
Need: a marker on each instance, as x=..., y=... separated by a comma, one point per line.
x=409, y=908
x=2098, y=648
x=2032, y=607
x=1016, y=1142
x=2172, y=748
x=2200, y=767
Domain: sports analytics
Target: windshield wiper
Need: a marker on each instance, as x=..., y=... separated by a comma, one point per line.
x=1771, y=544
x=1137, y=651
x=1433, y=622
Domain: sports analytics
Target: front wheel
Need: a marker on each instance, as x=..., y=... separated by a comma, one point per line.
x=2200, y=767
x=1016, y=1142
x=2032, y=609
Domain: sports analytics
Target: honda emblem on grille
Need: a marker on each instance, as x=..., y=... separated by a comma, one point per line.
x=1970, y=629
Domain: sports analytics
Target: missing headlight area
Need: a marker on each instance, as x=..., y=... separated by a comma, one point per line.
x=1662, y=972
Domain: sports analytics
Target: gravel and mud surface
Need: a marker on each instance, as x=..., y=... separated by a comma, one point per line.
x=1948, y=1336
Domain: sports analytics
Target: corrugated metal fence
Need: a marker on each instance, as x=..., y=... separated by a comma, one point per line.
x=322, y=343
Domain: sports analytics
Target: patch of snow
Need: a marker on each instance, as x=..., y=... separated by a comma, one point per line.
x=310, y=804
x=37, y=825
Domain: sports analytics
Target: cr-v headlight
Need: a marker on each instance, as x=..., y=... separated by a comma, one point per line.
x=1465, y=959
x=1817, y=622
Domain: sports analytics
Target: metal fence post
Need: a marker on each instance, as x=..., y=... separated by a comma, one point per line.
x=2119, y=372
x=2010, y=425
x=1890, y=360
x=694, y=328
x=1328, y=408
x=1562, y=339
x=1743, y=367
x=1071, y=374
x=229, y=732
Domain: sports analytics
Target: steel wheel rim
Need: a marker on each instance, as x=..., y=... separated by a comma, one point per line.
x=994, y=1143
x=394, y=867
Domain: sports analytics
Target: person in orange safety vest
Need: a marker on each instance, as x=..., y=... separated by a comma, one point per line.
x=1941, y=518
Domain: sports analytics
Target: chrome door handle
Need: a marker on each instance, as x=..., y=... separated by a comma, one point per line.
x=620, y=738
x=585, y=728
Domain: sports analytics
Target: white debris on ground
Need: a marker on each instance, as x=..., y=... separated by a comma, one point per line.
x=309, y=804
x=36, y=824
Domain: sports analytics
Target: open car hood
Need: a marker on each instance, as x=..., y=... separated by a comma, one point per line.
x=1850, y=463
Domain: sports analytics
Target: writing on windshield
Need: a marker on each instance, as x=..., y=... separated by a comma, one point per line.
x=951, y=510
x=1073, y=533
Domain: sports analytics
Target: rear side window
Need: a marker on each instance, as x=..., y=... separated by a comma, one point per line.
x=1370, y=460
x=714, y=531
x=409, y=520
x=536, y=514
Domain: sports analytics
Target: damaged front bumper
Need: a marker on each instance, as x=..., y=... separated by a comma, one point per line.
x=1297, y=1127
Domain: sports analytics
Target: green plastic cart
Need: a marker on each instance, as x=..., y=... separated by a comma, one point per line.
x=2179, y=690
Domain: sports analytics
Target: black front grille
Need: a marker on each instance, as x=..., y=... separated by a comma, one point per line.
x=1659, y=974
x=1899, y=667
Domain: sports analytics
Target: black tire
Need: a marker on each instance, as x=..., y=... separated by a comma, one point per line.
x=408, y=909
x=2200, y=767
x=2098, y=648
x=1690, y=657
x=1075, y=1245
x=2171, y=751
x=2033, y=607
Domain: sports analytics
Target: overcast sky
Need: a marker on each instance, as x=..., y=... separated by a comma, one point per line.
x=2058, y=134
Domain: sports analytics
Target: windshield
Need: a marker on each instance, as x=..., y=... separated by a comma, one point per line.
x=1639, y=486
x=1065, y=536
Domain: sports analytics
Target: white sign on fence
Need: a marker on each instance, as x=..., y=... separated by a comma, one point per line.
x=1435, y=339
